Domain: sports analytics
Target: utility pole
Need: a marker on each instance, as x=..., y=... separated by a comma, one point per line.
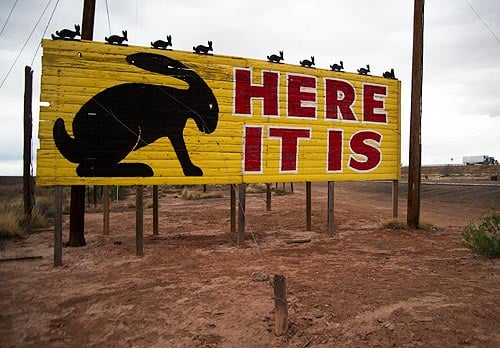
x=28, y=186
x=77, y=207
x=414, y=169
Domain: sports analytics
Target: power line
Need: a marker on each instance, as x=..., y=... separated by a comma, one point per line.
x=107, y=14
x=8, y=17
x=27, y=40
x=45, y=31
x=345, y=25
x=484, y=23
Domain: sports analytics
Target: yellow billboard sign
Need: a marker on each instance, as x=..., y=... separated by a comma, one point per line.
x=123, y=115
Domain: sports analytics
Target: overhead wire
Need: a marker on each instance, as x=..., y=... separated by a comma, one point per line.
x=344, y=25
x=24, y=46
x=107, y=15
x=44, y=32
x=484, y=22
x=8, y=17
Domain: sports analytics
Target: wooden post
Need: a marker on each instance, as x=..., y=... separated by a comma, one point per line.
x=395, y=197
x=155, y=210
x=414, y=168
x=280, y=305
x=139, y=222
x=241, y=214
x=308, y=206
x=28, y=187
x=58, y=227
x=331, y=196
x=268, y=197
x=77, y=206
x=232, y=193
x=105, y=209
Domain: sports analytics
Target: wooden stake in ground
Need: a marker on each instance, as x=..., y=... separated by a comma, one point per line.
x=280, y=305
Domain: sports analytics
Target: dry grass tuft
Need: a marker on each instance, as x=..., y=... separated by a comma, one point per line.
x=195, y=194
x=400, y=225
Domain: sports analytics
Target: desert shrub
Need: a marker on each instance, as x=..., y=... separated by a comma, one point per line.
x=45, y=206
x=13, y=222
x=194, y=194
x=397, y=224
x=10, y=224
x=484, y=239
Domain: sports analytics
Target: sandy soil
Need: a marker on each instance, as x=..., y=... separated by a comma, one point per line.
x=363, y=286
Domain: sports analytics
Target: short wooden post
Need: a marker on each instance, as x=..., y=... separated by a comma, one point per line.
x=105, y=209
x=280, y=305
x=241, y=214
x=139, y=222
x=331, y=196
x=58, y=227
x=232, y=192
x=308, y=206
x=268, y=197
x=395, y=197
x=155, y=210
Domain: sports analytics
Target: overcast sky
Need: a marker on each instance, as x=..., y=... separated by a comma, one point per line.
x=461, y=91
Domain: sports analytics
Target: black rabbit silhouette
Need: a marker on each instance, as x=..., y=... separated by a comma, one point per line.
x=389, y=74
x=273, y=58
x=160, y=44
x=117, y=39
x=307, y=63
x=363, y=71
x=203, y=49
x=67, y=34
x=337, y=67
x=129, y=116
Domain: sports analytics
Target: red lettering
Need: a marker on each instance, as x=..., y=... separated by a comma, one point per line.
x=301, y=94
x=374, y=103
x=361, y=144
x=252, y=153
x=339, y=98
x=335, y=150
x=289, y=138
x=245, y=91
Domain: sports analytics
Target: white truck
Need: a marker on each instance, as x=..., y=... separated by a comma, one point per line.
x=481, y=159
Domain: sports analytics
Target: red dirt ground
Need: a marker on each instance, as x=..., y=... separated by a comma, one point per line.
x=363, y=286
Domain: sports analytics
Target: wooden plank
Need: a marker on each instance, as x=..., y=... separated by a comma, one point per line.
x=139, y=220
x=330, y=217
x=105, y=209
x=308, y=206
x=232, y=194
x=155, y=210
x=58, y=227
x=395, y=198
x=241, y=214
x=268, y=197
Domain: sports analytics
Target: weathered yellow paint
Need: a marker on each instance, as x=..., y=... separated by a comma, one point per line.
x=73, y=72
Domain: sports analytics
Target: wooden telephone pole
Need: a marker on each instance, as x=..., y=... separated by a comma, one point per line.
x=77, y=207
x=414, y=169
